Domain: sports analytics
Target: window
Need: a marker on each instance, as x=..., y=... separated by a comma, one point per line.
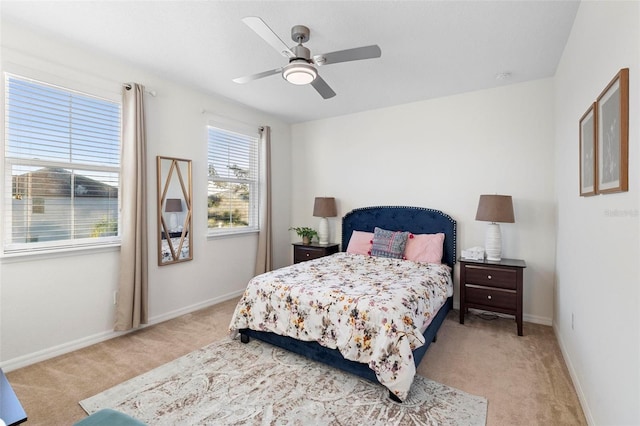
x=232, y=202
x=62, y=160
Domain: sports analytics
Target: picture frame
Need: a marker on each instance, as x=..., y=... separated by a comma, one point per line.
x=612, y=135
x=588, y=153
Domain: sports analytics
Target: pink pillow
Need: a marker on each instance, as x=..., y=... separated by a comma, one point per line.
x=360, y=242
x=424, y=248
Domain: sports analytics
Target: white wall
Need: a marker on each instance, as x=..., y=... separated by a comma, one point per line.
x=51, y=304
x=443, y=154
x=598, y=251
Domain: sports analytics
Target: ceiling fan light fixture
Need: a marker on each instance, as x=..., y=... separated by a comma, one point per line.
x=299, y=73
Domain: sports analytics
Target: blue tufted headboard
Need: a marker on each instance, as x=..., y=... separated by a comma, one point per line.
x=417, y=220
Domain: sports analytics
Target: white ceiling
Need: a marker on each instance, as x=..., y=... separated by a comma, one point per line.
x=430, y=49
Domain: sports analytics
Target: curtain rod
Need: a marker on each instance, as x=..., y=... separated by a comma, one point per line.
x=151, y=92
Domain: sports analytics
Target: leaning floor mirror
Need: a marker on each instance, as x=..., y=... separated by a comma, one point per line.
x=174, y=210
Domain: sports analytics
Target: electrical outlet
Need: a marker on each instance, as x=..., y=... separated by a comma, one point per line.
x=115, y=298
x=572, y=320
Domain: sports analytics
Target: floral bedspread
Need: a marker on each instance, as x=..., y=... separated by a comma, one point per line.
x=372, y=309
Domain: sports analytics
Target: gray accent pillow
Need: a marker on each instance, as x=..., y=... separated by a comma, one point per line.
x=389, y=243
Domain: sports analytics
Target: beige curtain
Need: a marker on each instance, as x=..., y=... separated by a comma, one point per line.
x=264, y=260
x=131, y=310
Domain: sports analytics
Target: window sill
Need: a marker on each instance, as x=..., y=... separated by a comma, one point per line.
x=231, y=234
x=27, y=256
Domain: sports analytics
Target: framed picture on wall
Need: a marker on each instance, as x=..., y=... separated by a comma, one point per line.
x=612, y=113
x=588, y=150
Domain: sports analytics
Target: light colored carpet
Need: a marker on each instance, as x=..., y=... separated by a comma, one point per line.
x=232, y=383
x=524, y=378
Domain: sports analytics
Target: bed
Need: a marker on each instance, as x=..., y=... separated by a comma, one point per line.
x=363, y=352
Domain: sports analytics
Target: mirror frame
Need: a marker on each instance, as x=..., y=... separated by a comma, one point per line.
x=176, y=168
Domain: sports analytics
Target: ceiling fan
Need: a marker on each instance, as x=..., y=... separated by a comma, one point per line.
x=301, y=69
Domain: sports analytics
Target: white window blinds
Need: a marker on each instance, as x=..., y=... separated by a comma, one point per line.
x=62, y=162
x=233, y=175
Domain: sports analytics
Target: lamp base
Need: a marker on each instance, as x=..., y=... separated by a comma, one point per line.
x=173, y=222
x=493, y=242
x=323, y=231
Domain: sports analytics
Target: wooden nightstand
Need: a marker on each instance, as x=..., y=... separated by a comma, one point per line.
x=492, y=286
x=303, y=252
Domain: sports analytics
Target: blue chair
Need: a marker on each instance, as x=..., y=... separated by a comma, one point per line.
x=109, y=417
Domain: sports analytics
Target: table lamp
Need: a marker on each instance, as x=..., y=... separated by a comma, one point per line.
x=494, y=209
x=324, y=207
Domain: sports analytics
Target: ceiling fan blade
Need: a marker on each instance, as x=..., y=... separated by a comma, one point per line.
x=248, y=78
x=323, y=88
x=267, y=34
x=355, y=54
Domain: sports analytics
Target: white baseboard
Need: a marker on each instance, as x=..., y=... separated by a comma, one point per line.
x=44, y=354
x=574, y=378
x=54, y=351
x=525, y=317
x=535, y=319
x=195, y=307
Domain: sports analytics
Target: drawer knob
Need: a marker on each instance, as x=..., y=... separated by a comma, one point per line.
x=489, y=297
x=307, y=254
x=489, y=276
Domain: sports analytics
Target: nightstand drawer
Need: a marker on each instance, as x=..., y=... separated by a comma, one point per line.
x=307, y=253
x=304, y=252
x=502, y=278
x=501, y=299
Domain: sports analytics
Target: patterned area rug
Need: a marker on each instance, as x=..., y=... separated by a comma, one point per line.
x=232, y=383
